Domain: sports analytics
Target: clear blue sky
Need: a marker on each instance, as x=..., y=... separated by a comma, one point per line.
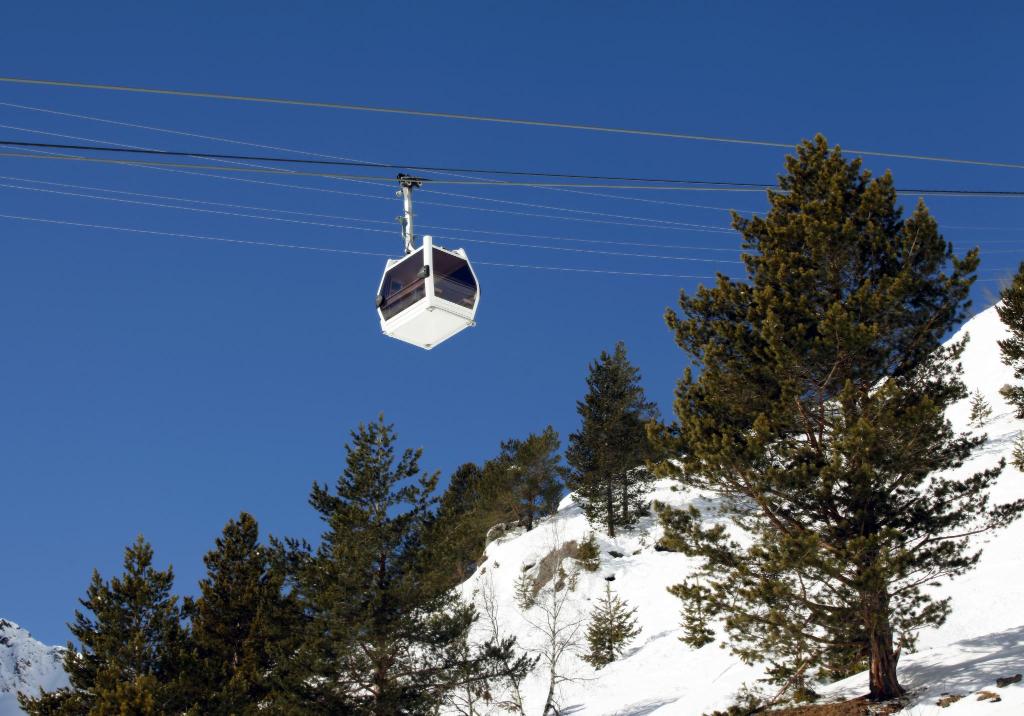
x=157, y=385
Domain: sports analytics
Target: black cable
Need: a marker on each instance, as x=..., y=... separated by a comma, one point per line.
x=482, y=118
x=377, y=165
x=682, y=183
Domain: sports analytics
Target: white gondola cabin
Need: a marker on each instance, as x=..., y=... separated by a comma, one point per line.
x=428, y=295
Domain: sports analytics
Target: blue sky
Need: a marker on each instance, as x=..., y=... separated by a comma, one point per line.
x=159, y=385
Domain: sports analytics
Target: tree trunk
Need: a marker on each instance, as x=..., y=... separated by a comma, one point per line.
x=882, y=680
x=625, y=497
x=610, y=500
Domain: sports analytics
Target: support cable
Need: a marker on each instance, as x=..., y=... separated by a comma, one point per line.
x=490, y=119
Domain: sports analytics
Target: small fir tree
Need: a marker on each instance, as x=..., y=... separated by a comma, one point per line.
x=1011, y=312
x=589, y=554
x=609, y=452
x=612, y=626
x=819, y=417
x=697, y=631
x=981, y=411
x=131, y=656
x=525, y=594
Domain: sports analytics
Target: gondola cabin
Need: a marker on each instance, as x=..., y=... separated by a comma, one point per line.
x=427, y=296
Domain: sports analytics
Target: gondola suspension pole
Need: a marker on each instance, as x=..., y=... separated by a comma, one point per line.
x=407, y=183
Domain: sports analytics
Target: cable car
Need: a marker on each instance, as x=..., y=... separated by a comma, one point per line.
x=431, y=293
x=427, y=296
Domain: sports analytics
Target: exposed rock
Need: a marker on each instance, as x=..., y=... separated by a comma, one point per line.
x=948, y=699
x=1007, y=680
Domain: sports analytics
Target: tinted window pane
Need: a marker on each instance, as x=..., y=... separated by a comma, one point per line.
x=453, y=281
x=402, y=287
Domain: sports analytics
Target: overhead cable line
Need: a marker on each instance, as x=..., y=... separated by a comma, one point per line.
x=315, y=215
x=687, y=183
x=491, y=119
x=506, y=244
x=354, y=163
x=695, y=227
x=323, y=249
x=374, y=165
x=257, y=145
x=387, y=180
x=163, y=167
x=302, y=247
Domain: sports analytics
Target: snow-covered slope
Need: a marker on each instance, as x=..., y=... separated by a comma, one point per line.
x=982, y=640
x=25, y=666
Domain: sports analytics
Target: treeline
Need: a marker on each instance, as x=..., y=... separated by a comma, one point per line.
x=367, y=621
x=811, y=412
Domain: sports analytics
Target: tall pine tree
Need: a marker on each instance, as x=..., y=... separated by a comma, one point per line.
x=818, y=416
x=1011, y=313
x=384, y=639
x=608, y=454
x=243, y=625
x=131, y=657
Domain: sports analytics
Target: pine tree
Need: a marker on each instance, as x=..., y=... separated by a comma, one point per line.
x=1011, y=312
x=818, y=416
x=470, y=506
x=131, y=656
x=981, y=411
x=384, y=638
x=243, y=626
x=609, y=452
x=612, y=626
x=530, y=475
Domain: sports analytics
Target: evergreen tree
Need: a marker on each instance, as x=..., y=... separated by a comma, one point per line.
x=818, y=416
x=384, y=639
x=243, y=626
x=524, y=591
x=612, y=626
x=467, y=510
x=981, y=411
x=1011, y=312
x=1017, y=456
x=529, y=475
x=609, y=452
x=520, y=485
x=589, y=554
x=131, y=657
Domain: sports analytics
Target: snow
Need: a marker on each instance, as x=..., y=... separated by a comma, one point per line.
x=25, y=666
x=982, y=640
x=657, y=671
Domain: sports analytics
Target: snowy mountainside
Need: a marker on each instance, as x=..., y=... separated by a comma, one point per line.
x=25, y=666
x=982, y=640
x=657, y=670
